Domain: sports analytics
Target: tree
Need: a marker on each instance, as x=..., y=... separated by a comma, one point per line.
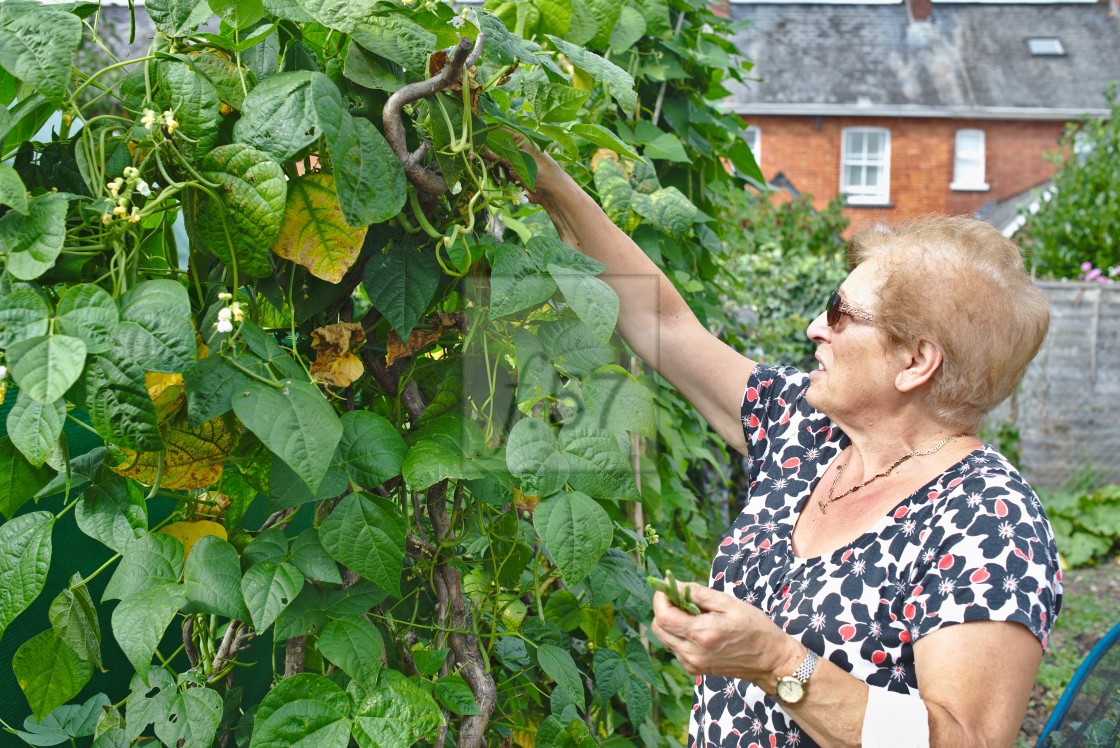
x=1078, y=220
x=380, y=401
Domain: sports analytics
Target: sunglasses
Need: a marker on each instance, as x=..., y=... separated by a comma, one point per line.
x=837, y=307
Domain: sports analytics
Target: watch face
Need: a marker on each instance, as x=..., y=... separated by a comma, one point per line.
x=790, y=690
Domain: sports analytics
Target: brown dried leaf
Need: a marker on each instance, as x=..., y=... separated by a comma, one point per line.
x=335, y=363
x=419, y=339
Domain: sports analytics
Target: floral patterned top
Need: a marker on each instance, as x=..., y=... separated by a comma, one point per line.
x=973, y=544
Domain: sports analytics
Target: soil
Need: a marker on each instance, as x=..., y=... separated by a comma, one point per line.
x=1090, y=607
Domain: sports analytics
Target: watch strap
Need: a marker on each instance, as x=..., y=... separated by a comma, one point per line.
x=807, y=666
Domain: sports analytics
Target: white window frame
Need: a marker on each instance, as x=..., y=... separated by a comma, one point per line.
x=753, y=132
x=857, y=194
x=963, y=157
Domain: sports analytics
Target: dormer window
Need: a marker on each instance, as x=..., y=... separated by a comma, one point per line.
x=1046, y=46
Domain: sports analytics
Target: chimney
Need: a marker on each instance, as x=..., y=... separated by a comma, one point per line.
x=920, y=10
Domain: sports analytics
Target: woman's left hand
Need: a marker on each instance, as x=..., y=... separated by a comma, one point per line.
x=730, y=638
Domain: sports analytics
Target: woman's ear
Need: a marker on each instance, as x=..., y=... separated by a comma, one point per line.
x=921, y=360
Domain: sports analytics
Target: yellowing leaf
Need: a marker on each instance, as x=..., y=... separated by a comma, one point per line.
x=189, y=533
x=166, y=391
x=194, y=456
x=335, y=365
x=314, y=232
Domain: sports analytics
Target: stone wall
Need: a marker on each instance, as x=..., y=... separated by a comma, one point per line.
x=1068, y=407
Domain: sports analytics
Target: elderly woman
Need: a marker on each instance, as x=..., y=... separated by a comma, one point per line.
x=875, y=519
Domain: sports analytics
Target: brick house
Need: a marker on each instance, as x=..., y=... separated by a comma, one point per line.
x=912, y=106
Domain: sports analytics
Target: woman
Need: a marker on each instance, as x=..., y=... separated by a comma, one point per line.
x=875, y=518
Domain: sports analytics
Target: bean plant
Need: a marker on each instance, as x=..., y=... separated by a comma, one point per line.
x=413, y=475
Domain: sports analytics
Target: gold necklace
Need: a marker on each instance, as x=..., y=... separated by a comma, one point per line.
x=832, y=489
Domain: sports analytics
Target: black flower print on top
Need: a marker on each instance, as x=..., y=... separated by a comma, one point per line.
x=973, y=544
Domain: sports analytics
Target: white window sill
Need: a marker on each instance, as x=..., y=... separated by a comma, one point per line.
x=869, y=200
x=967, y=187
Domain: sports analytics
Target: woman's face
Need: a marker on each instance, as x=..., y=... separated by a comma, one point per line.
x=856, y=372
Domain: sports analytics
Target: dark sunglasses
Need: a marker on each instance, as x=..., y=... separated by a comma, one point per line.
x=837, y=307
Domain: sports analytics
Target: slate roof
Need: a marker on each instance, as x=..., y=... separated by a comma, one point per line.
x=967, y=60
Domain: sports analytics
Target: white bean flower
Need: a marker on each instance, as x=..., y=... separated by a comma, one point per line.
x=224, y=325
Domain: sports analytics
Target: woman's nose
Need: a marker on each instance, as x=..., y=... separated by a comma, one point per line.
x=818, y=330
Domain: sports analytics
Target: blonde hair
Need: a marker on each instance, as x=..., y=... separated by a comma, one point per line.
x=961, y=284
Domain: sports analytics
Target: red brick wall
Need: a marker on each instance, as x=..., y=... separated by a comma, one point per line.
x=807, y=151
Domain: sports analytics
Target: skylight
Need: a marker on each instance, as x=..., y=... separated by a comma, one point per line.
x=1046, y=46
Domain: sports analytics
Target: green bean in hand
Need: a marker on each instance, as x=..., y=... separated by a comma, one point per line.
x=672, y=590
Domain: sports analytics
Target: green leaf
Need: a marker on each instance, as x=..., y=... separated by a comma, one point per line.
x=268, y=588
x=194, y=100
x=74, y=620
x=618, y=83
x=34, y=429
x=149, y=297
x=534, y=457
x=369, y=177
x=119, y=405
x=400, y=284
x=456, y=696
x=596, y=464
x=371, y=448
x=429, y=661
x=49, y=672
x=190, y=717
x=291, y=10
x=563, y=608
x=65, y=722
x=617, y=401
x=20, y=480
x=601, y=136
x=396, y=714
x=210, y=384
x=24, y=313
x=12, y=191
x=443, y=448
x=245, y=220
x=140, y=620
x=667, y=209
x=397, y=38
x=666, y=147
x=113, y=511
x=536, y=377
x=590, y=298
x=212, y=579
x=149, y=692
x=304, y=711
x=554, y=102
x=366, y=533
x=576, y=532
x=88, y=312
x=314, y=232
x=295, y=422
x=503, y=144
x=46, y=366
x=287, y=112
x=342, y=15
x=153, y=561
x=164, y=344
x=270, y=545
x=631, y=27
x=38, y=48
x=239, y=14
x=558, y=665
x=177, y=17
x=311, y=558
x=25, y=557
x=353, y=644
x=371, y=71
x=574, y=348
x=34, y=241
x=610, y=672
x=517, y=282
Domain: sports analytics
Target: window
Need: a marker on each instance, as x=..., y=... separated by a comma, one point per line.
x=1046, y=46
x=865, y=164
x=753, y=136
x=968, y=163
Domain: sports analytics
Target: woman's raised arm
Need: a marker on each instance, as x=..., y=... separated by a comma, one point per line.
x=653, y=317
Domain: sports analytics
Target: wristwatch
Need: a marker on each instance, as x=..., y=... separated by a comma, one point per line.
x=791, y=688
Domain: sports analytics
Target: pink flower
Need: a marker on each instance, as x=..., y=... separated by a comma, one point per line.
x=1093, y=274
x=1086, y=267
